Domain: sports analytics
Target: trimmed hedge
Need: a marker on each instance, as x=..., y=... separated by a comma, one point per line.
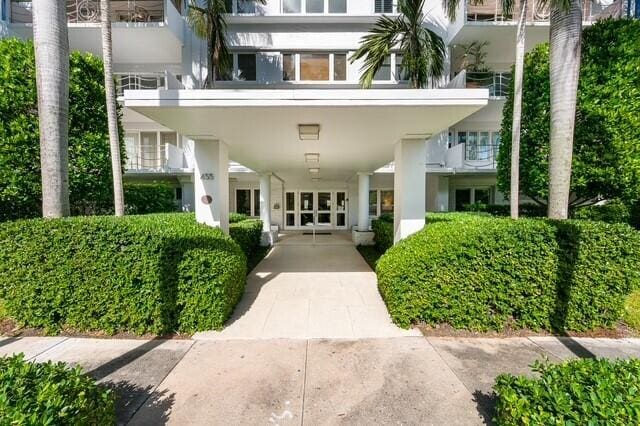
x=247, y=234
x=145, y=198
x=51, y=394
x=383, y=232
x=480, y=273
x=524, y=210
x=143, y=274
x=612, y=212
x=577, y=392
x=237, y=217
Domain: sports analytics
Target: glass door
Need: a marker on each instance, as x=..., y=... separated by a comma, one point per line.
x=290, y=209
x=307, y=208
x=323, y=211
x=341, y=209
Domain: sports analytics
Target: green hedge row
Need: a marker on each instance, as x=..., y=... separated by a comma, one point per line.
x=155, y=273
x=247, y=234
x=145, y=198
x=479, y=273
x=383, y=232
x=577, y=392
x=237, y=217
x=51, y=394
x=524, y=210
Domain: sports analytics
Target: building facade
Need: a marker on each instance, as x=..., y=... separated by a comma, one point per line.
x=305, y=145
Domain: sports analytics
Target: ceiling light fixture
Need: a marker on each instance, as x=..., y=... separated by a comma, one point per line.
x=314, y=170
x=312, y=157
x=309, y=132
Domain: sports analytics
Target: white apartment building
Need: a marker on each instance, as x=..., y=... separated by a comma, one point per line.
x=288, y=135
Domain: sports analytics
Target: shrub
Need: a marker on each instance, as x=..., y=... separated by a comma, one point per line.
x=586, y=391
x=247, y=234
x=612, y=212
x=90, y=181
x=155, y=273
x=479, y=272
x=145, y=198
x=237, y=217
x=383, y=232
x=51, y=393
x=525, y=210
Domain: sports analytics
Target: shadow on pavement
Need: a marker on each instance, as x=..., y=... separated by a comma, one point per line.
x=131, y=398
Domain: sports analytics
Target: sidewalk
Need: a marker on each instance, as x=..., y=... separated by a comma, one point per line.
x=408, y=380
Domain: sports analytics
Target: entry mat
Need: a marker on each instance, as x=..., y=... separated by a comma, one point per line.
x=317, y=233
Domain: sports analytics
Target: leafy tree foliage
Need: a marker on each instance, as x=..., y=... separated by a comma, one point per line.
x=90, y=178
x=606, y=162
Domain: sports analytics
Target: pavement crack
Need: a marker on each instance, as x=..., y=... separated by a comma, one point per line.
x=304, y=381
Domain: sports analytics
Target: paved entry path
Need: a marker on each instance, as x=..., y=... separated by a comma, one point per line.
x=307, y=289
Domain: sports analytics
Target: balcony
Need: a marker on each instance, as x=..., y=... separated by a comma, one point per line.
x=491, y=11
x=88, y=11
x=155, y=158
x=145, y=81
x=472, y=156
x=496, y=82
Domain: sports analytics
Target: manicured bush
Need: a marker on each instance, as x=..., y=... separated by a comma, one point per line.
x=51, y=394
x=90, y=181
x=155, y=273
x=577, y=392
x=237, y=217
x=145, y=198
x=612, y=212
x=383, y=232
x=479, y=272
x=524, y=210
x=247, y=234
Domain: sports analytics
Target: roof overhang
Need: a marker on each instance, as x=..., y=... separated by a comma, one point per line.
x=358, y=128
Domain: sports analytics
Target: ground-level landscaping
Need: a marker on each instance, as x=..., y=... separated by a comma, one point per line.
x=141, y=274
x=477, y=272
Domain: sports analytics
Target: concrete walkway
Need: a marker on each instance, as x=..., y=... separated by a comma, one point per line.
x=408, y=380
x=308, y=288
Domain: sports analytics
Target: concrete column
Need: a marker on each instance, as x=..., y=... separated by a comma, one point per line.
x=265, y=201
x=363, y=201
x=409, y=187
x=211, y=183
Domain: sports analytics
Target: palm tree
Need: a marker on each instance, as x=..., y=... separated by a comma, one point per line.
x=51, y=41
x=206, y=19
x=112, y=117
x=450, y=7
x=422, y=50
x=565, y=35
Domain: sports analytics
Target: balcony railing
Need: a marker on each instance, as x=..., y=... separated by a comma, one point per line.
x=155, y=158
x=496, y=82
x=137, y=81
x=88, y=11
x=491, y=11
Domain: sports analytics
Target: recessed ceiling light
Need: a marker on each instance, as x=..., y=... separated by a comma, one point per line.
x=309, y=132
x=311, y=157
x=314, y=170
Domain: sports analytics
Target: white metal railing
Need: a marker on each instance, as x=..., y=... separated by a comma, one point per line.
x=491, y=11
x=88, y=11
x=496, y=82
x=155, y=157
x=139, y=81
x=472, y=156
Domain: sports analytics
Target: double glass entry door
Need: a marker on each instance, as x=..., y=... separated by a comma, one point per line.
x=316, y=208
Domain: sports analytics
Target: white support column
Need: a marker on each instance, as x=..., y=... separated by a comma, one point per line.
x=409, y=187
x=211, y=183
x=363, y=201
x=265, y=201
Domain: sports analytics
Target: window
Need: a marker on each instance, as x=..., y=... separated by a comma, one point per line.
x=314, y=67
x=288, y=67
x=373, y=203
x=462, y=137
x=178, y=194
x=314, y=6
x=484, y=148
x=240, y=6
x=339, y=67
x=463, y=197
x=383, y=6
x=384, y=73
x=149, y=155
x=247, y=66
x=243, y=201
x=386, y=201
x=291, y=6
x=482, y=195
x=256, y=202
x=401, y=74
x=471, y=151
x=243, y=68
x=480, y=146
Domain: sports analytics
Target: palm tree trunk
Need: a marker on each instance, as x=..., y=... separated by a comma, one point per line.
x=517, y=112
x=564, y=62
x=51, y=41
x=210, y=64
x=112, y=116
